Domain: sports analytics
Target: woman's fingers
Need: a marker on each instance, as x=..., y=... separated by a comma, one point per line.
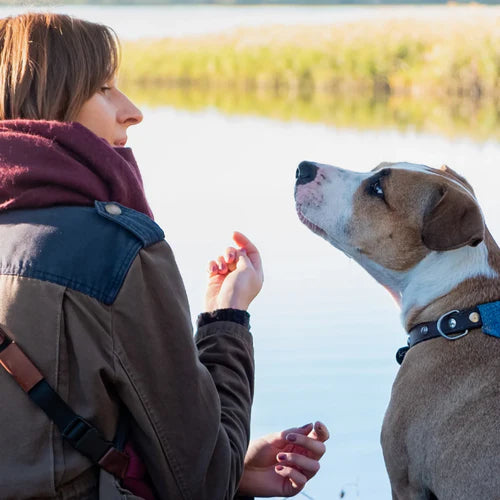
x=253, y=254
x=225, y=263
x=296, y=478
x=222, y=265
x=213, y=268
x=243, y=242
x=304, y=430
x=316, y=447
x=320, y=432
x=231, y=255
x=246, y=254
x=307, y=466
x=219, y=266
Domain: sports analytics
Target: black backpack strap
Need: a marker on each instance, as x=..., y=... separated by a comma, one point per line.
x=83, y=436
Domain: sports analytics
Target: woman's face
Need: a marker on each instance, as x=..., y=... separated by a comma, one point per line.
x=109, y=113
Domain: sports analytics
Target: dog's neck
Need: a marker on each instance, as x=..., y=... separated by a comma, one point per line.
x=443, y=281
x=455, y=279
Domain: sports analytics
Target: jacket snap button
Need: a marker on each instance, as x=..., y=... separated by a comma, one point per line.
x=112, y=209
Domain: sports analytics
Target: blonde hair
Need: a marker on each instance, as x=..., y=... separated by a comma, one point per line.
x=51, y=64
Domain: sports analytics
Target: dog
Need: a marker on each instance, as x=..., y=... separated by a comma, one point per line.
x=420, y=232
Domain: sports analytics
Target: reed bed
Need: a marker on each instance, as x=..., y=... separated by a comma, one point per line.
x=399, y=57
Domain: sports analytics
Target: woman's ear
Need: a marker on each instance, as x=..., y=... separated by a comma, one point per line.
x=453, y=221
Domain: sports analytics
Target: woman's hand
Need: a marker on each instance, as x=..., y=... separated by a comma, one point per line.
x=280, y=464
x=235, y=278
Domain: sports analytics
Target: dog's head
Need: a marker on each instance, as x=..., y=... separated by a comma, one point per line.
x=391, y=218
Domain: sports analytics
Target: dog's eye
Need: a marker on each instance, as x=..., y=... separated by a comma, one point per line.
x=376, y=189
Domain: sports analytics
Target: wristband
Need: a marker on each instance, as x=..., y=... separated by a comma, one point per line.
x=234, y=315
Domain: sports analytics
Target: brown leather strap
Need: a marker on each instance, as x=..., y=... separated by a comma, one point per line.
x=80, y=434
x=16, y=363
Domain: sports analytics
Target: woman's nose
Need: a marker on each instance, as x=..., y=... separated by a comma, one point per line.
x=130, y=114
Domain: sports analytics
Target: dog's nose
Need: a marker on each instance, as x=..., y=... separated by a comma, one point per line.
x=306, y=172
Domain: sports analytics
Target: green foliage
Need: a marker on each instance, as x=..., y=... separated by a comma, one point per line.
x=460, y=59
x=433, y=76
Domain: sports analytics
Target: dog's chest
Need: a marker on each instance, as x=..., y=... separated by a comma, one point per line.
x=446, y=398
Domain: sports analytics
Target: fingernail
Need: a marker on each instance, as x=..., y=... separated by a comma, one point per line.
x=213, y=268
x=281, y=456
x=279, y=467
x=307, y=425
x=291, y=437
x=319, y=426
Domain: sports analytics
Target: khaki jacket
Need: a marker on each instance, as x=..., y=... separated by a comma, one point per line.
x=95, y=299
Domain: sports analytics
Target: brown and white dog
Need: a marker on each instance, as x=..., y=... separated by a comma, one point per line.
x=420, y=232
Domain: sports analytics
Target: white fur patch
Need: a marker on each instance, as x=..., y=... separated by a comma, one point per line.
x=327, y=202
x=440, y=272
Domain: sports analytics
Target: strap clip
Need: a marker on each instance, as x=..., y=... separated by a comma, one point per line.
x=86, y=439
x=76, y=430
x=401, y=353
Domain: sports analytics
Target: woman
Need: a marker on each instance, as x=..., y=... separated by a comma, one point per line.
x=91, y=293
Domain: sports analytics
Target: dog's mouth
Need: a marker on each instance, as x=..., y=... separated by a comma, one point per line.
x=313, y=227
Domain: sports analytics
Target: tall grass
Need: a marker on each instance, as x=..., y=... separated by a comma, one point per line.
x=460, y=58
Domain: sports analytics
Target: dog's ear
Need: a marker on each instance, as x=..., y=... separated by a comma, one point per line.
x=382, y=165
x=452, y=220
x=456, y=176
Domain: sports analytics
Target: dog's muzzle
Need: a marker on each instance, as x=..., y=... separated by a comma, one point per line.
x=306, y=172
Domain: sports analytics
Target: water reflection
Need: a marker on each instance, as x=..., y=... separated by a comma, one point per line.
x=479, y=119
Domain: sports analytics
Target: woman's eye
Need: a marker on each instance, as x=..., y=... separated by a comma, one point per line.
x=105, y=88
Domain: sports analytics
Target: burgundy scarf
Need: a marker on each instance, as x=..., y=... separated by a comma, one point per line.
x=47, y=163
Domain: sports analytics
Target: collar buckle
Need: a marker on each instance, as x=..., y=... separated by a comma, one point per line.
x=452, y=323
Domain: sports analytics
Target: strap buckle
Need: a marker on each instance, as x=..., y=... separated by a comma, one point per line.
x=86, y=438
x=76, y=430
x=452, y=323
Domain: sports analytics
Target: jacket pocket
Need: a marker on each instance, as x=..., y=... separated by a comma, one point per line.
x=110, y=488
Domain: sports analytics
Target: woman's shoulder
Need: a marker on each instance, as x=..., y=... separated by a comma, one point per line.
x=89, y=249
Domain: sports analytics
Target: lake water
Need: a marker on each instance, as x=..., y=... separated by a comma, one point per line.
x=325, y=332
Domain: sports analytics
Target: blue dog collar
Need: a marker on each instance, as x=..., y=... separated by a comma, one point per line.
x=490, y=316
